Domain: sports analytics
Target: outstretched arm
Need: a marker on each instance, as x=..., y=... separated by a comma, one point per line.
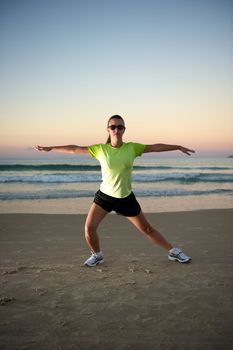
x=64, y=149
x=161, y=147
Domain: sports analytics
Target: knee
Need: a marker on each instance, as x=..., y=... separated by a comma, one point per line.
x=89, y=230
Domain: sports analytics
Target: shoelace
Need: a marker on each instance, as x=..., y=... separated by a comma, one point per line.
x=180, y=255
x=98, y=257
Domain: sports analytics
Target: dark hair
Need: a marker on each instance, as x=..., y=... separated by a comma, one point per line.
x=113, y=117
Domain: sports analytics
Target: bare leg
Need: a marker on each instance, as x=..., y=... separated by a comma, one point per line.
x=95, y=216
x=143, y=226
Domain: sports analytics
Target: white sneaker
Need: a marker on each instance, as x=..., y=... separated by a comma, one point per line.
x=95, y=259
x=176, y=254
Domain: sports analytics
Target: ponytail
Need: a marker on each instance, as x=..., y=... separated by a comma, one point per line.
x=108, y=139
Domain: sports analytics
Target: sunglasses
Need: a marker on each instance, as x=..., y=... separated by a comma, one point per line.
x=119, y=127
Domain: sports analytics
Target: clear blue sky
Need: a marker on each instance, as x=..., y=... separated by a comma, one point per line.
x=165, y=66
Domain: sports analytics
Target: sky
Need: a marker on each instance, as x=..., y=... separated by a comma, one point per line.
x=165, y=66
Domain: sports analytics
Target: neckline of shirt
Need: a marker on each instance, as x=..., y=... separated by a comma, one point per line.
x=116, y=147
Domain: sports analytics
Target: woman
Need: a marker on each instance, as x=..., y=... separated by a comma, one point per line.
x=115, y=194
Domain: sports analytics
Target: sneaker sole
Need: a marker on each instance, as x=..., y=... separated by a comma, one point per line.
x=98, y=262
x=180, y=261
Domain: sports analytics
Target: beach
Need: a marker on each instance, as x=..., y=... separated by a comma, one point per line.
x=137, y=299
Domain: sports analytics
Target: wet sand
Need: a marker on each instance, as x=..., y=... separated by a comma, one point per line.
x=136, y=300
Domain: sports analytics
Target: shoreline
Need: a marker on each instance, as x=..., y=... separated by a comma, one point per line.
x=148, y=205
x=149, y=214
x=49, y=300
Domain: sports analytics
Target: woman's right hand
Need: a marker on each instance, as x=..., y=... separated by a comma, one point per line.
x=43, y=149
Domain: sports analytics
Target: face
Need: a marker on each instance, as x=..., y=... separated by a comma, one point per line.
x=116, y=127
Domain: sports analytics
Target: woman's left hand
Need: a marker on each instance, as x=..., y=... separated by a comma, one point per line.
x=186, y=150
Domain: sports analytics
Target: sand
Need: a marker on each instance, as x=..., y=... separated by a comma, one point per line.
x=136, y=300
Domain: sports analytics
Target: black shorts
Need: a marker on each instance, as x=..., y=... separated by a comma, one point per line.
x=127, y=206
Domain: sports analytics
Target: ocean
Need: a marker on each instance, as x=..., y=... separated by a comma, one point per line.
x=46, y=178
